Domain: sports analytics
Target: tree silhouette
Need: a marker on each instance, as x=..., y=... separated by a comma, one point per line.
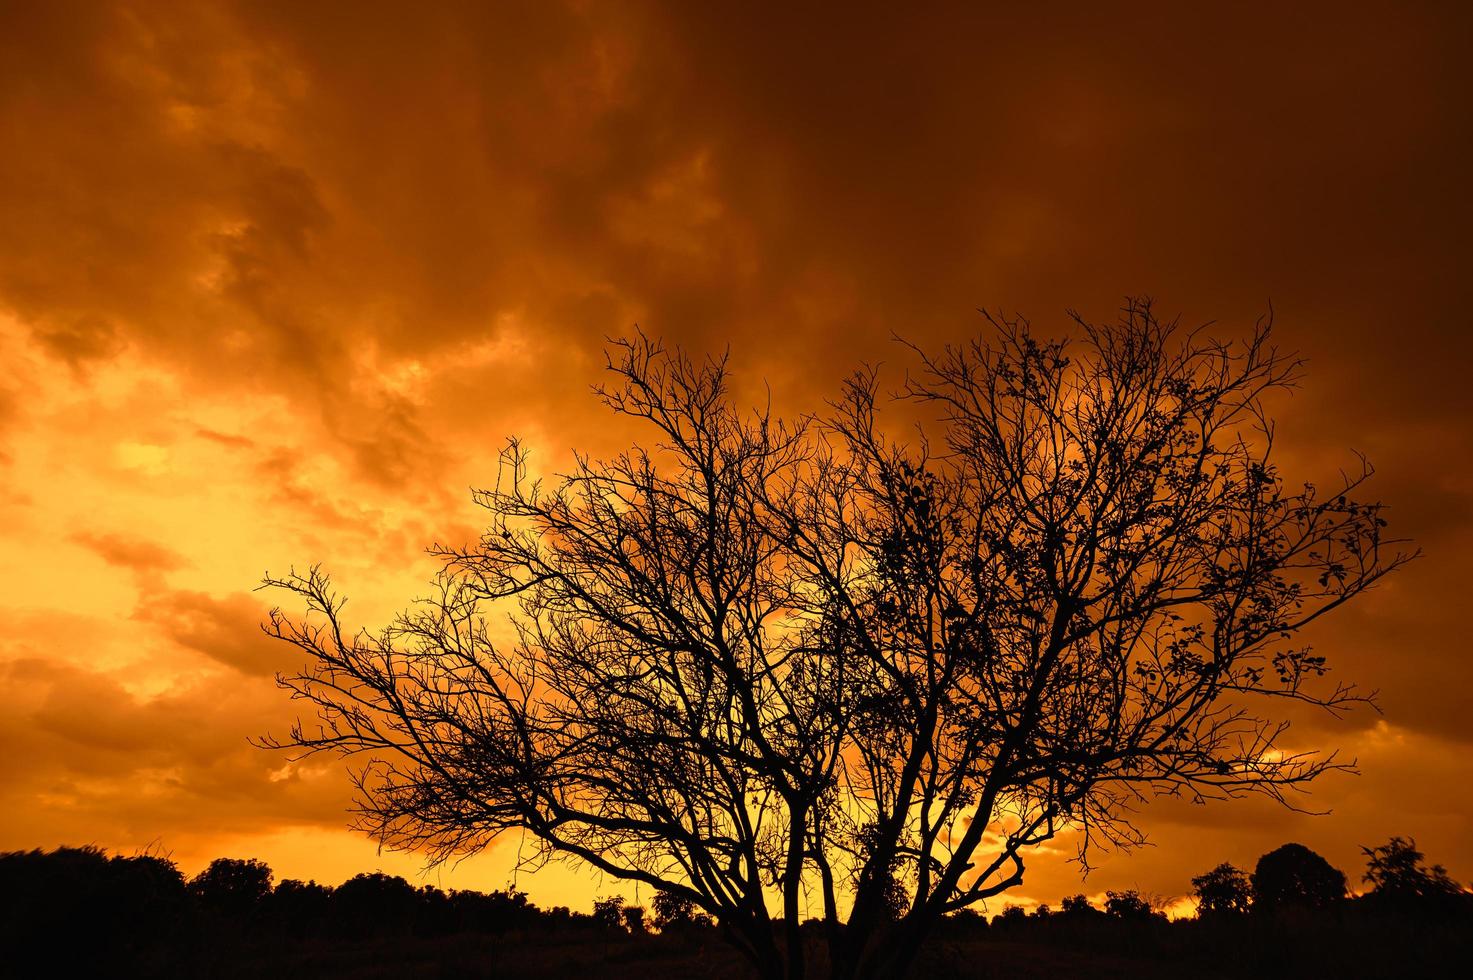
x=609, y=912
x=1398, y=878
x=1130, y=905
x=375, y=904
x=299, y=908
x=774, y=657
x=675, y=912
x=1077, y=906
x=1225, y=890
x=1293, y=875
x=232, y=886
x=634, y=919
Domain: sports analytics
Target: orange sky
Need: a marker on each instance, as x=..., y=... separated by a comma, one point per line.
x=277, y=278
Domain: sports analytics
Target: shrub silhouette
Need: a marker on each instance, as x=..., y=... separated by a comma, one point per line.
x=76, y=911
x=1295, y=876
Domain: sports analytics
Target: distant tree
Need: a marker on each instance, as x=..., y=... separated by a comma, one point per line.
x=374, y=904
x=299, y=908
x=1042, y=912
x=675, y=912
x=499, y=911
x=609, y=912
x=1077, y=905
x=1398, y=876
x=1225, y=890
x=634, y=919
x=1011, y=915
x=232, y=886
x=1293, y=875
x=1130, y=905
x=739, y=645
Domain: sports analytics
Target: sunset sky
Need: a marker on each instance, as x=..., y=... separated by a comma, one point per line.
x=277, y=279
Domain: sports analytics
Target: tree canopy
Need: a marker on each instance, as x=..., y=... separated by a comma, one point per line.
x=759, y=662
x=1225, y=890
x=1294, y=875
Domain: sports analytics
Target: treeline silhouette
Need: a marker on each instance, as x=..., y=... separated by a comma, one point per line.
x=81, y=911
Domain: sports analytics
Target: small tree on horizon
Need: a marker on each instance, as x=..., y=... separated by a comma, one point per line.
x=675, y=912
x=755, y=658
x=1130, y=905
x=231, y=885
x=1225, y=890
x=609, y=912
x=1397, y=875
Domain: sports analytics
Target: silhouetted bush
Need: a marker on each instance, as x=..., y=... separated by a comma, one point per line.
x=75, y=911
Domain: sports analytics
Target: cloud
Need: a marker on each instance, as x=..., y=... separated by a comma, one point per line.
x=227, y=630
x=88, y=759
x=135, y=554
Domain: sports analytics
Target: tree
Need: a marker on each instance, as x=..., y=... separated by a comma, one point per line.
x=232, y=886
x=299, y=908
x=609, y=912
x=1077, y=906
x=1225, y=890
x=1130, y=905
x=677, y=912
x=1293, y=875
x=1011, y=916
x=762, y=658
x=1398, y=877
x=373, y=904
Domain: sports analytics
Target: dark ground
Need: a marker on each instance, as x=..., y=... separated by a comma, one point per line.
x=591, y=956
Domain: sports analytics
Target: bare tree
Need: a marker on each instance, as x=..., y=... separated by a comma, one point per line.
x=763, y=661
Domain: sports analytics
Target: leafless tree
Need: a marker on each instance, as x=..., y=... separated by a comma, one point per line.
x=762, y=664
